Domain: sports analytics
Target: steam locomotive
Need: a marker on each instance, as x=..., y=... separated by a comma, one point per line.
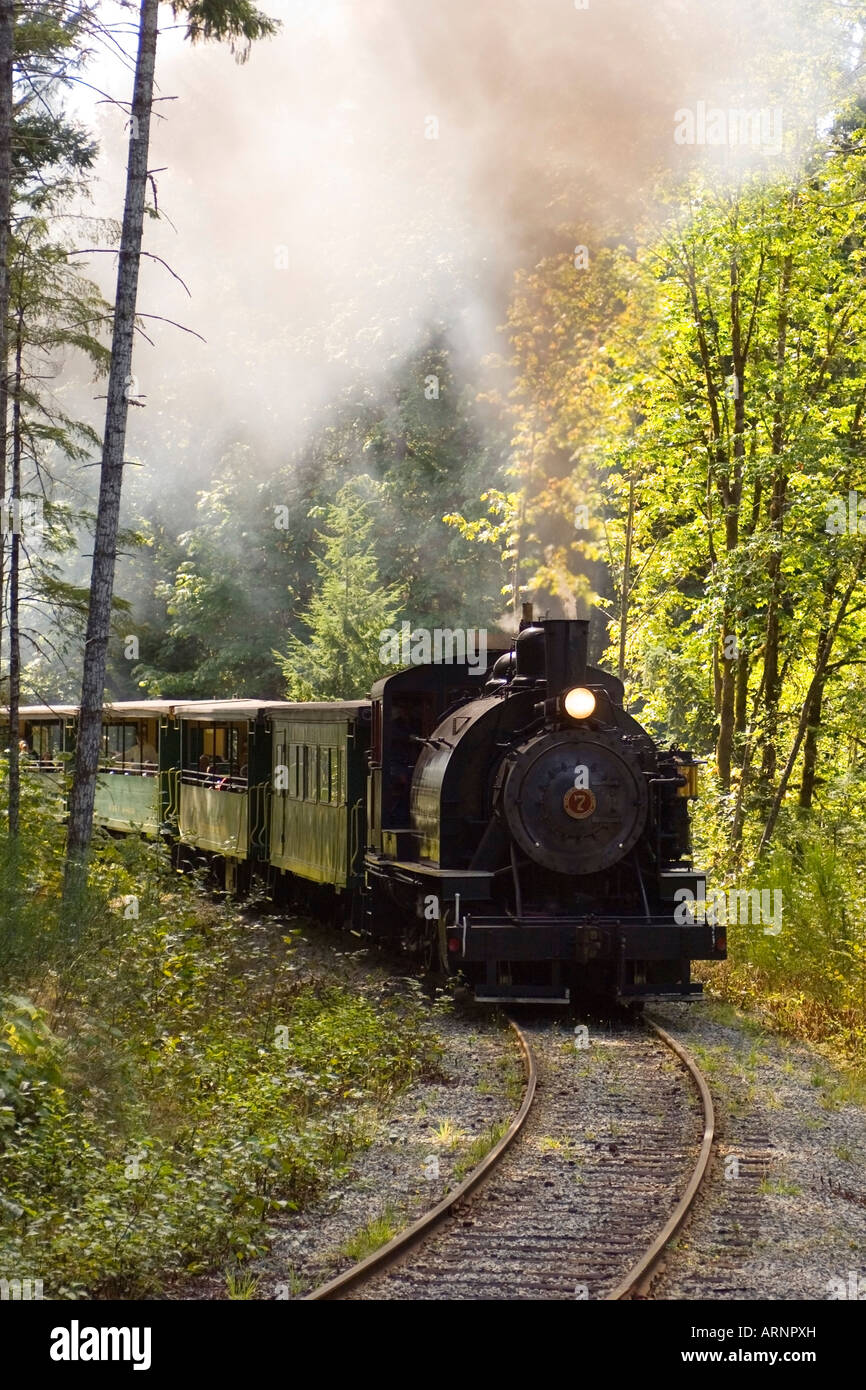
x=512, y=823
x=545, y=840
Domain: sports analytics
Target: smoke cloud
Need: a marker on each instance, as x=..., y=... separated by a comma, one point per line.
x=384, y=164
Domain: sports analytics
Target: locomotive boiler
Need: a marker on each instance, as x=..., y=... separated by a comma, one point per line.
x=530, y=830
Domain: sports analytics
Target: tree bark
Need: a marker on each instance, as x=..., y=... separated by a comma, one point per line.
x=731, y=491
x=810, y=745
x=117, y=409
x=7, y=30
x=776, y=517
x=520, y=541
x=817, y=680
x=745, y=778
x=725, y=740
x=14, y=574
x=813, y=727
x=626, y=581
x=741, y=694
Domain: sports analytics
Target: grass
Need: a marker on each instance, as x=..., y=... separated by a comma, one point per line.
x=479, y=1149
x=513, y=1077
x=549, y=1144
x=778, y=1187
x=241, y=1285
x=377, y=1232
x=447, y=1134
x=714, y=1061
x=847, y=1089
x=294, y=1284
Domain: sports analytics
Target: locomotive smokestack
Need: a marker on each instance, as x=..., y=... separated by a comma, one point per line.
x=527, y=620
x=565, y=646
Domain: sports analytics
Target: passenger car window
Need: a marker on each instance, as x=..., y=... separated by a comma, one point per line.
x=324, y=774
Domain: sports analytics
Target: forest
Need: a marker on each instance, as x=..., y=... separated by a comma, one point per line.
x=668, y=437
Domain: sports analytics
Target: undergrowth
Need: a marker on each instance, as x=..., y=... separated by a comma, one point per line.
x=167, y=1080
x=809, y=979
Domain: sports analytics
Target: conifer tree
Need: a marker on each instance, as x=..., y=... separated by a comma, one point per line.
x=349, y=610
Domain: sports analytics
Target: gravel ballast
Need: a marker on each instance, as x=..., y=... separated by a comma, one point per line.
x=782, y=1214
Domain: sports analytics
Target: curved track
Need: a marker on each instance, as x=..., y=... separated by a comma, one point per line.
x=637, y=1281
x=602, y=1171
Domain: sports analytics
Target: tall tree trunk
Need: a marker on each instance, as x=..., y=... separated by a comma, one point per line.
x=117, y=408
x=14, y=573
x=747, y=529
x=745, y=778
x=773, y=684
x=520, y=541
x=731, y=489
x=818, y=678
x=626, y=580
x=741, y=694
x=725, y=741
x=7, y=30
x=810, y=743
x=772, y=640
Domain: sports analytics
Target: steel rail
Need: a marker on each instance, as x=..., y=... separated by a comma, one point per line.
x=637, y=1280
x=393, y=1252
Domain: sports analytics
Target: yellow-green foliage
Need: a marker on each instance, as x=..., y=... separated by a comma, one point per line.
x=810, y=978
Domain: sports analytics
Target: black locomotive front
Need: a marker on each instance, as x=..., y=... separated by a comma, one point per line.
x=531, y=831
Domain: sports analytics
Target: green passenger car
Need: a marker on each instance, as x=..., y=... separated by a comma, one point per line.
x=275, y=786
x=138, y=760
x=46, y=739
x=137, y=767
x=318, y=769
x=223, y=778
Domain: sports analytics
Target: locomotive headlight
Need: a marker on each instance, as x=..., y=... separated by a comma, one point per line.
x=579, y=703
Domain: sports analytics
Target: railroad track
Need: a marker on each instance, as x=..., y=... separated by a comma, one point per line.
x=582, y=1194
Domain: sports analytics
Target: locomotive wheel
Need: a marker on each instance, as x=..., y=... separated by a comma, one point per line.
x=422, y=941
x=429, y=951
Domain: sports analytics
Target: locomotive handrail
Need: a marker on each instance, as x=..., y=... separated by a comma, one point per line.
x=214, y=781
x=128, y=769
